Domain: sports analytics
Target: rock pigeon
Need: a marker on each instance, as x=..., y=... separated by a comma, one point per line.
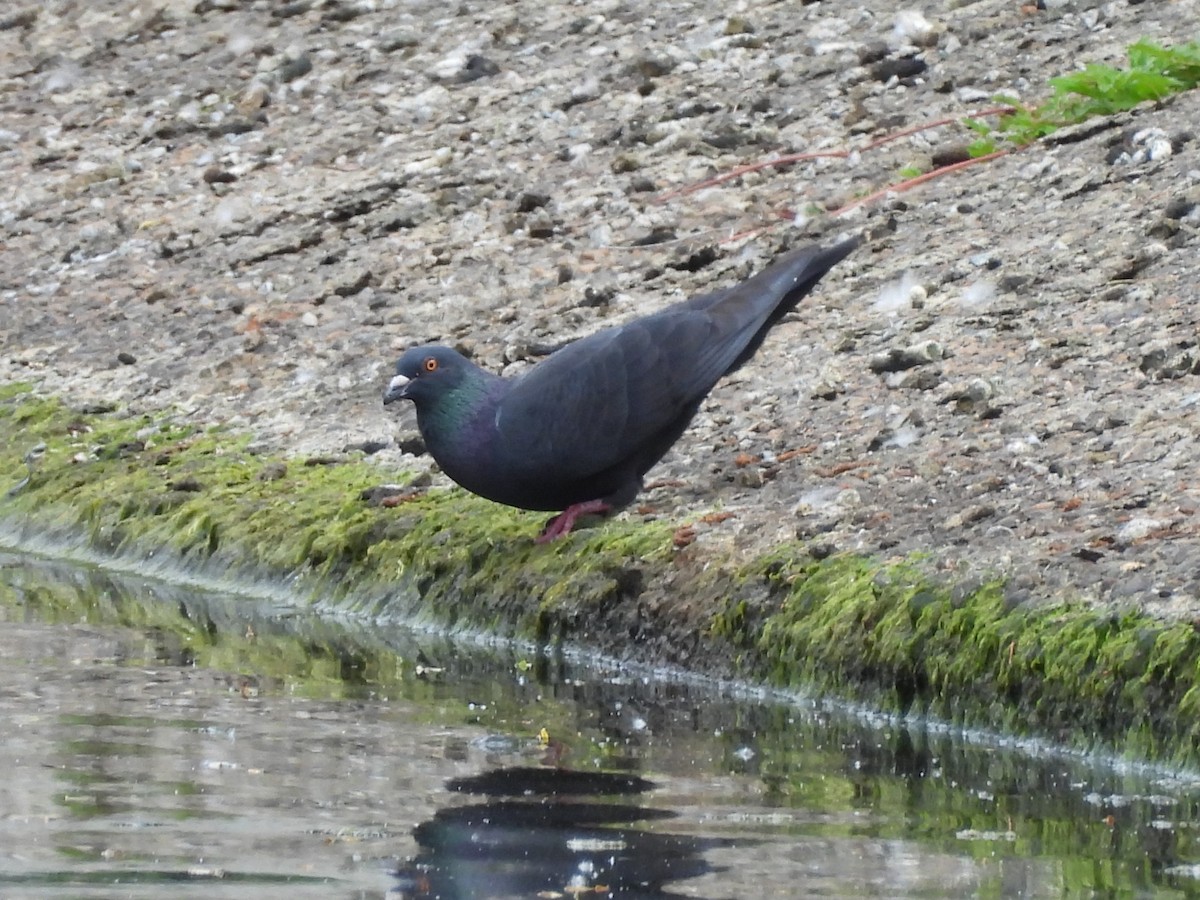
x=578, y=431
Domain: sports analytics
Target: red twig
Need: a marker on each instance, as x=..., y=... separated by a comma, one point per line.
x=936, y=123
x=778, y=162
x=902, y=186
x=793, y=158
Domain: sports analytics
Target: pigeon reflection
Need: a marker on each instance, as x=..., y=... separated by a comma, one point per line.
x=549, y=833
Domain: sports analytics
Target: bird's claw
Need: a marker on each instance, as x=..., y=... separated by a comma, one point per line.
x=562, y=524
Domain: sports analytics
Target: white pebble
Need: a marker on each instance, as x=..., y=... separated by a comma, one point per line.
x=1139, y=527
x=910, y=27
x=897, y=295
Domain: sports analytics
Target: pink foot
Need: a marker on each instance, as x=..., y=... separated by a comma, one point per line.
x=565, y=520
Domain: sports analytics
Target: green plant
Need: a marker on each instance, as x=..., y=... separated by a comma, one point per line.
x=1154, y=73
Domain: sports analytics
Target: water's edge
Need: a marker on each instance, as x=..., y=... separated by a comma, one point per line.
x=156, y=497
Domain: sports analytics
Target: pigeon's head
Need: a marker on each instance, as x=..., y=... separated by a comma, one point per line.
x=426, y=373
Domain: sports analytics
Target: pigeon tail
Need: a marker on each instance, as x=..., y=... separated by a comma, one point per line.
x=789, y=280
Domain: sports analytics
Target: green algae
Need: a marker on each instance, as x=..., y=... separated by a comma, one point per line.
x=886, y=632
x=891, y=635
x=133, y=483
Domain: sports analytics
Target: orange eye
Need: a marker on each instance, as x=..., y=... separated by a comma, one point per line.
x=430, y=364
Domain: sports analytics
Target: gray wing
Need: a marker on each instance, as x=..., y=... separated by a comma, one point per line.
x=610, y=397
x=597, y=402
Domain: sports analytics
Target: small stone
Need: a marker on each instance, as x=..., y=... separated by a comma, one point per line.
x=1139, y=528
x=746, y=41
x=588, y=90
x=295, y=68
x=911, y=27
x=738, y=25
x=217, y=175
x=272, y=471
x=476, y=67
x=1180, y=206
x=897, y=359
x=344, y=12
x=412, y=444
x=969, y=516
x=285, y=11
x=654, y=65
x=905, y=67
x=355, y=285
x=22, y=19
x=399, y=40
x=919, y=380
x=236, y=125
x=967, y=95
x=1169, y=359
x=528, y=201
x=950, y=155
x=751, y=477
x=625, y=162
x=390, y=494
x=310, y=319
x=873, y=52
x=540, y=225
x=660, y=234
x=367, y=447
x=95, y=408
x=253, y=98
x=126, y=358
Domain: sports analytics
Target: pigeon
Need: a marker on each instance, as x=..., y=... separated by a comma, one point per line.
x=578, y=431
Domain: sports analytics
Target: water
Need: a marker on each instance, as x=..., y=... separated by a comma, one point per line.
x=162, y=740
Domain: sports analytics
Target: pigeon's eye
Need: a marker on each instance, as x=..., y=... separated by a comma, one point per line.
x=430, y=364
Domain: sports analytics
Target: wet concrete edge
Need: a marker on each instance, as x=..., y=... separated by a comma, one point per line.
x=164, y=497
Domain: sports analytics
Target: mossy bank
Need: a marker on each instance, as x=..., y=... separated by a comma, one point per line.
x=889, y=632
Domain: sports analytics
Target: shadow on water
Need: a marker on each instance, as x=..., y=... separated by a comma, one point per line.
x=230, y=747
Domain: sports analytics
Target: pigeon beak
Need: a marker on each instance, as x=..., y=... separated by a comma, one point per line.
x=397, y=390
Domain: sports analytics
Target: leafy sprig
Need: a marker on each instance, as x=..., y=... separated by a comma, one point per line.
x=1154, y=73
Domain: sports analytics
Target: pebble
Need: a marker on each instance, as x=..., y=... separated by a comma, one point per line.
x=899, y=358
x=1138, y=528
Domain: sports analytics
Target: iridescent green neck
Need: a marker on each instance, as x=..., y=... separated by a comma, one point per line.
x=460, y=425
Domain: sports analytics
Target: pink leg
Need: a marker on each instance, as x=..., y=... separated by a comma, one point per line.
x=565, y=520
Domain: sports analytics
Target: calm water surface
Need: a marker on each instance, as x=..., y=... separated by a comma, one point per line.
x=167, y=742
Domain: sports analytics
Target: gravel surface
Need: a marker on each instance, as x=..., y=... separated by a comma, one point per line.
x=245, y=210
